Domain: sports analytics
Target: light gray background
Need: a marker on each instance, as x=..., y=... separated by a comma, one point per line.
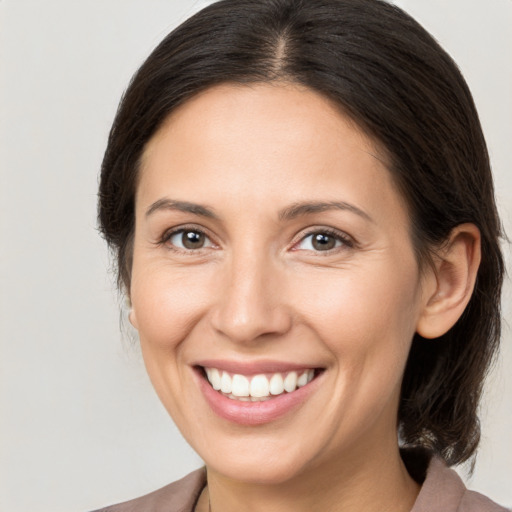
x=80, y=426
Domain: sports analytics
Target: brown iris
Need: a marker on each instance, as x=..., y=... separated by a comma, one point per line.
x=323, y=242
x=192, y=239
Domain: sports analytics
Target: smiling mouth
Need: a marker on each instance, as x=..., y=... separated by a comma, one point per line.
x=260, y=387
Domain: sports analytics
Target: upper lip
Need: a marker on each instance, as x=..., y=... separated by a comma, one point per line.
x=253, y=367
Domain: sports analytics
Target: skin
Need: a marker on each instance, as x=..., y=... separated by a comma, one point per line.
x=259, y=290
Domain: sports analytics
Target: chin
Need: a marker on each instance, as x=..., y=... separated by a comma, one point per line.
x=255, y=471
x=257, y=461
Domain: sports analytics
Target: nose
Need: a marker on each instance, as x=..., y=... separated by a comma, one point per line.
x=251, y=301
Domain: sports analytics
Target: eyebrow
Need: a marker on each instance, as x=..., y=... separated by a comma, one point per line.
x=298, y=209
x=182, y=206
x=289, y=213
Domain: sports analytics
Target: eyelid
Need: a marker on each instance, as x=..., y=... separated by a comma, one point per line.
x=346, y=240
x=169, y=233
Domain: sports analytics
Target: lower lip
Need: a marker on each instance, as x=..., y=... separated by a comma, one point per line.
x=255, y=413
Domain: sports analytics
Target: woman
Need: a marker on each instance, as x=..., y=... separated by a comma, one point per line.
x=299, y=197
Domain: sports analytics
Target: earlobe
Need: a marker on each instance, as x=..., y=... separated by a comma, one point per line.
x=456, y=267
x=132, y=317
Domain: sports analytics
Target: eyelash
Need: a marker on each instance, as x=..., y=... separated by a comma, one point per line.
x=166, y=237
x=346, y=241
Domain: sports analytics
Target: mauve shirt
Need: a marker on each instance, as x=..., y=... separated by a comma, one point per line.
x=442, y=490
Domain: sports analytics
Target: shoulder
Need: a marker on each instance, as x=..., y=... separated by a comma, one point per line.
x=476, y=502
x=443, y=489
x=180, y=496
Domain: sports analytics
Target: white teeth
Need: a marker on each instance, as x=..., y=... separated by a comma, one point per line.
x=276, y=384
x=259, y=387
x=262, y=399
x=240, y=386
x=214, y=378
x=306, y=377
x=302, y=380
x=290, y=382
x=225, y=383
x=248, y=398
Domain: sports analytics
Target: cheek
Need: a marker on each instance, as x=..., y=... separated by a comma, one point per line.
x=366, y=320
x=359, y=306
x=167, y=303
x=365, y=317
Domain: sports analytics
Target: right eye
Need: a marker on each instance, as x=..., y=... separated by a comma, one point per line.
x=188, y=239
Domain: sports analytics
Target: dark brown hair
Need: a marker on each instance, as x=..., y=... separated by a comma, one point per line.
x=392, y=78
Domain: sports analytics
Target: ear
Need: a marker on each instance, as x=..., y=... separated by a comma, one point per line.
x=451, y=281
x=132, y=316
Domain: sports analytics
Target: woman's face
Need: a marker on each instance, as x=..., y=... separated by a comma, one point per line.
x=271, y=245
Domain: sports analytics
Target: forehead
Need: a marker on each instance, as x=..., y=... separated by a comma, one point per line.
x=287, y=112
x=288, y=142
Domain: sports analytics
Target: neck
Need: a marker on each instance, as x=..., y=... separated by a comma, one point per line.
x=377, y=482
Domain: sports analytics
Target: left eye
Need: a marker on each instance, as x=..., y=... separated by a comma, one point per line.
x=320, y=241
x=189, y=239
